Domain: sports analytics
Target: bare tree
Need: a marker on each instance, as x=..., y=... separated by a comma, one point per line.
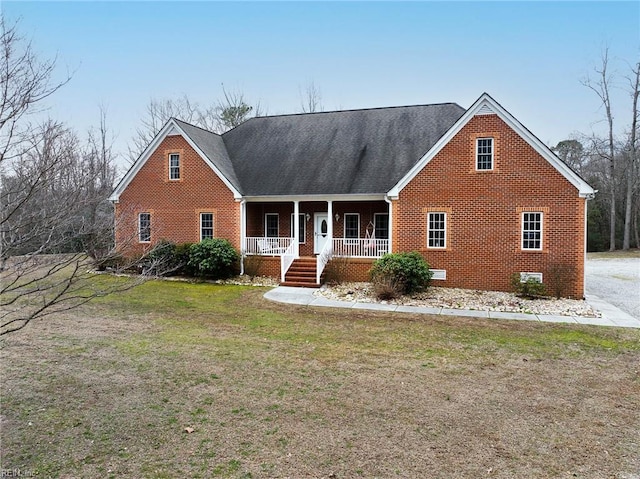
x=632, y=160
x=227, y=113
x=25, y=82
x=160, y=111
x=601, y=87
x=233, y=110
x=311, y=100
x=55, y=222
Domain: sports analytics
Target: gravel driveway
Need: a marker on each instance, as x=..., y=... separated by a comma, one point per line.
x=616, y=281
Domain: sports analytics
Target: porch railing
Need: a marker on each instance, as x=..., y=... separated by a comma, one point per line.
x=360, y=247
x=286, y=260
x=323, y=258
x=267, y=246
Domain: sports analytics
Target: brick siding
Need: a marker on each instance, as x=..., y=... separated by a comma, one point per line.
x=484, y=213
x=175, y=206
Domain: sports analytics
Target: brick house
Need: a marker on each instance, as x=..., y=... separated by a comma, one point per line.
x=476, y=193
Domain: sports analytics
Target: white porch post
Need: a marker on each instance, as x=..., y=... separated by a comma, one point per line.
x=330, y=222
x=243, y=232
x=296, y=227
x=386, y=198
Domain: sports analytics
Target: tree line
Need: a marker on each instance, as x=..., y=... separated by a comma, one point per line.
x=609, y=162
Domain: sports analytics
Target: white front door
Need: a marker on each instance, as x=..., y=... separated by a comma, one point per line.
x=320, y=231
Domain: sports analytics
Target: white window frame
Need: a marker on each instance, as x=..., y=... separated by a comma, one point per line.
x=202, y=227
x=303, y=225
x=377, y=215
x=146, y=230
x=484, y=154
x=523, y=231
x=344, y=228
x=266, y=224
x=436, y=230
x=174, y=169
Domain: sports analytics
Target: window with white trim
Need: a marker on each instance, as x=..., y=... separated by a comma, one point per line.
x=532, y=231
x=271, y=225
x=144, y=227
x=174, y=166
x=381, y=225
x=302, y=230
x=484, y=154
x=206, y=226
x=437, y=230
x=352, y=225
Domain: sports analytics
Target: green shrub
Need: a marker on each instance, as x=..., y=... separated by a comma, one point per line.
x=182, y=252
x=161, y=260
x=406, y=272
x=215, y=258
x=531, y=288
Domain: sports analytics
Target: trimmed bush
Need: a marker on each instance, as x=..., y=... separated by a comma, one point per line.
x=215, y=258
x=404, y=272
x=531, y=288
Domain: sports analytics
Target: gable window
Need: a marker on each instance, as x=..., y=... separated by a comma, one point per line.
x=144, y=227
x=532, y=231
x=437, y=230
x=484, y=154
x=271, y=225
x=174, y=166
x=351, y=225
x=302, y=231
x=381, y=225
x=206, y=226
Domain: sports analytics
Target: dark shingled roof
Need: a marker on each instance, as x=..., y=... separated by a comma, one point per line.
x=213, y=147
x=341, y=152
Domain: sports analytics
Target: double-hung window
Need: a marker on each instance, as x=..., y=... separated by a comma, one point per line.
x=381, y=225
x=206, y=226
x=484, y=154
x=144, y=227
x=437, y=230
x=352, y=225
x=532, y=231
x=271, y=225
x=302, y=231
x=174, y=166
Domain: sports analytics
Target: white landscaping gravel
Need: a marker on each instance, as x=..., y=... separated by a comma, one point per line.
x=456, y=298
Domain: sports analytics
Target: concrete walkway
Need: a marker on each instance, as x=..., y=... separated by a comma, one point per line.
x=611, y=316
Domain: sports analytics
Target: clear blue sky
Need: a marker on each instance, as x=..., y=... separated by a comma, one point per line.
x=530, y=56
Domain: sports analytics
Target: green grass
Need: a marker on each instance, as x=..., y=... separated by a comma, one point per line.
x=218, y=321
x=276, y=390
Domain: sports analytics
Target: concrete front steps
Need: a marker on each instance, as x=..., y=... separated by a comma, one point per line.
x=302, y=273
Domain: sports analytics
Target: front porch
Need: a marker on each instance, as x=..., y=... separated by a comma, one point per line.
x=289, y=231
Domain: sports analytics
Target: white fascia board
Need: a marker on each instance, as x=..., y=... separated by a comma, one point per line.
x=142, y=159
x=169, y=129
x=485, y=101
x=289, y=198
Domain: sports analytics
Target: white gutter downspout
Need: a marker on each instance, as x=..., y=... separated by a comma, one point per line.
x=386, y=198
x=584, y=263
x=243, y=232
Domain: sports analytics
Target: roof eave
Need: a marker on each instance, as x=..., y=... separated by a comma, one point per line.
x=584, y=189
x=151, y=148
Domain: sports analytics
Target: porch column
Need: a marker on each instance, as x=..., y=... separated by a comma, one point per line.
x=330, y=222
x=386, y=198
x=296, y=227
x=243, y=232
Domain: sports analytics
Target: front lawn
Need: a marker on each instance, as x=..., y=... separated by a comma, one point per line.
x=272, y=390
